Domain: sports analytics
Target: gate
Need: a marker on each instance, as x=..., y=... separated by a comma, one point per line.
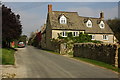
x=63, y=48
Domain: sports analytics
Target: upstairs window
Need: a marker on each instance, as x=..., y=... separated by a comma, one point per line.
x=89, y=23
x=102, y=25
x=63, y=20
x=105, y=37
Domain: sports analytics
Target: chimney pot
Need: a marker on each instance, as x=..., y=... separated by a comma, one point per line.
x=102, y=15
x=50, y=8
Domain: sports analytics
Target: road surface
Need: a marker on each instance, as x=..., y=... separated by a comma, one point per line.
x=42, y=64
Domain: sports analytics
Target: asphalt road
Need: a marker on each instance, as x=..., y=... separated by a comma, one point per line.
x=41, y=64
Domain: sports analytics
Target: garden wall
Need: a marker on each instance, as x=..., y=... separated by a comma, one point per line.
x=119, y=57
x=107, y=53
x=55, y=47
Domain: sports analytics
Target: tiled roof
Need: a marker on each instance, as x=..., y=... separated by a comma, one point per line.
x=76, y=22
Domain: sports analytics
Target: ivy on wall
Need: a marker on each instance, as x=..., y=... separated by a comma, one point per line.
x=70, y=40
x=82, y=38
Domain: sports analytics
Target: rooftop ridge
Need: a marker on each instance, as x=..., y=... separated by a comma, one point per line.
x=90, y=17
x=64, y=11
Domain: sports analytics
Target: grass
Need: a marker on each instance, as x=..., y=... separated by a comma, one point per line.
x=98, y=63
x=52, y=51
x=7, y=56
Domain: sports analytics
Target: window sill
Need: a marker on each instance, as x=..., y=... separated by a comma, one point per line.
x=92, y=39
x=105, y=39
x=64, y=36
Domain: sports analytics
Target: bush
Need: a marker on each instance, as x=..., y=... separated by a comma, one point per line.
x=82, y=38
x=70, y=40
x=95, y=41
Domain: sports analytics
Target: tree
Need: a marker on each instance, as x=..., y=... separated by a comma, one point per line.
x=37, y=39
x=115, y=26
x=23, y=38
x=31, y=38
x=11, y=26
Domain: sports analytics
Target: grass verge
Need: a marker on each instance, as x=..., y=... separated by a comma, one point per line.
x=98, y=63
x=7, y=56
x=52, y=51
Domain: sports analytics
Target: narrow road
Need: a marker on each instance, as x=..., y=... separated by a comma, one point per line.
x=41, y=64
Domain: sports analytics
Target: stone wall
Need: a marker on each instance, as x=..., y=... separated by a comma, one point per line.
x=101, y=52
x=55, y=47
x=119, y=57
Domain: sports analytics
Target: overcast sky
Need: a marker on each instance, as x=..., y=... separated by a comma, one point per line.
x=34, y=14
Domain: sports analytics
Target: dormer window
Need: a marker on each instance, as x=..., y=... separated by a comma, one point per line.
x=63, y=20
x=89, y=23
x=102, y=25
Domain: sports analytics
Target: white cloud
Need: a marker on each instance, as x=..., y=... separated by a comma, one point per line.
x=89, y=12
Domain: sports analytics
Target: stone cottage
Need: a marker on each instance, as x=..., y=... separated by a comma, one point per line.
x=61, y=22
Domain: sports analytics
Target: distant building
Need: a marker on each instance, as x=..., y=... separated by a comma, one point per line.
x=61, y=22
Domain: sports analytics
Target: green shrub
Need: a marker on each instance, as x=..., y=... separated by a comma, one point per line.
x=82, y=38
x=69, y=34
x=70, y=40
x=95, y=41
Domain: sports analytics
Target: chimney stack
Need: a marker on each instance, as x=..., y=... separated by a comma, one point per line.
x=50, y=8
x=102, y=15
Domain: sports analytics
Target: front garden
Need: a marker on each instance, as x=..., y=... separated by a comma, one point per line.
x=65, y=44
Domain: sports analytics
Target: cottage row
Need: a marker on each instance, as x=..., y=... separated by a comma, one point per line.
x=62, y=22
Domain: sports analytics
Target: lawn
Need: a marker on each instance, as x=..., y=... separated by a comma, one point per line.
x=98, y=63
x=7, y=56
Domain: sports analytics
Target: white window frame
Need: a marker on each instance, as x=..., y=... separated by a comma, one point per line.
x=89, y=23
x=93, y=37
x=63, y=20
x=64, y=34
x=100, y=25
x=105, y=37
x=75, y=34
